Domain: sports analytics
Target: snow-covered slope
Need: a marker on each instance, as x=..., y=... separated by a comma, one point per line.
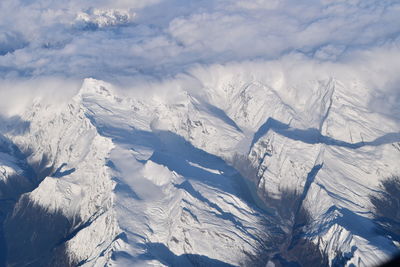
x=71, y=205
x=175, y=203
x=247, y=170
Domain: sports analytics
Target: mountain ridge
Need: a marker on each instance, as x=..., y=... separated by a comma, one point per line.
x=182, y=159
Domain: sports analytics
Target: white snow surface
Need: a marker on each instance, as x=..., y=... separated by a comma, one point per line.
x=153, y=174
x=213, y=133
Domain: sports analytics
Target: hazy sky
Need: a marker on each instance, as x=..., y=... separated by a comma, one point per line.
x=117, y=40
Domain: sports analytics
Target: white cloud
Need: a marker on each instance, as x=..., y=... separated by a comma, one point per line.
x=124, y=39
x=17, y=94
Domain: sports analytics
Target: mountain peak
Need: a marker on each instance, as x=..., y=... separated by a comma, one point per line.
x=92, y=86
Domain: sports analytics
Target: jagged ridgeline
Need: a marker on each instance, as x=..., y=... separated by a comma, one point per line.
x=238, y=175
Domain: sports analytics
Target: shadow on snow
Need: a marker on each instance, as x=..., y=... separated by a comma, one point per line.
x=314, y=136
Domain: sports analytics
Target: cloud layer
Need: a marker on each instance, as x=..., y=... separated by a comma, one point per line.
x=121, y=40
x=116, y=38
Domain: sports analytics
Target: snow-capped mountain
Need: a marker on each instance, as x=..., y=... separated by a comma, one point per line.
x=199, y=133
x=244, y=171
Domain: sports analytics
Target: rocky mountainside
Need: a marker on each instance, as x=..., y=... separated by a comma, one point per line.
x=247, y=170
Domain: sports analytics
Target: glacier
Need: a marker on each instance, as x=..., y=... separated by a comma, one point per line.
x=245, y=170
